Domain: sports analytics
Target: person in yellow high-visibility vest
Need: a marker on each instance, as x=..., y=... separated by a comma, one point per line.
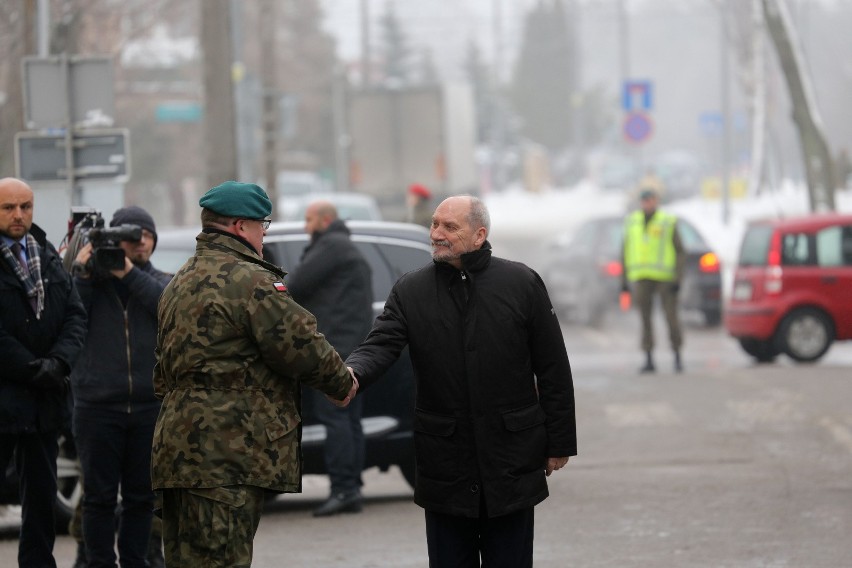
x=653, y=257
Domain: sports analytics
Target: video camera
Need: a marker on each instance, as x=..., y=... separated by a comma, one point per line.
x=87, y=226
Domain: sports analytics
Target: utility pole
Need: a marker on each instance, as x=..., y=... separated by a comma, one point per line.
x=498, y=119
x=269, y=64
x=219, y=124
x=725, y=150
x=366, y=56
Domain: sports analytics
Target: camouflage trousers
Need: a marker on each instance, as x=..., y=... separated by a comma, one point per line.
x=210, y=527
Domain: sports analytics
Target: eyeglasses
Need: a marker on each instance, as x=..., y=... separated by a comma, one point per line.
x=263, y=222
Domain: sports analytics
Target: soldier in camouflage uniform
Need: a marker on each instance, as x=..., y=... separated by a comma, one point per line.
x=233, y=350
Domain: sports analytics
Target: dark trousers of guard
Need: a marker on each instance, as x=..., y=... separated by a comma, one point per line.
x=35, y=459
x=344, y=445
x=501, y=542
x=115, y=451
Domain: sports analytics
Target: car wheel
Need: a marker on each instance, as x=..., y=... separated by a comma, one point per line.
x=805, y=334
x=69, y=488
x=764, y=351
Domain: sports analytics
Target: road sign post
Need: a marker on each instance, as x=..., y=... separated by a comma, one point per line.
x=97, y=154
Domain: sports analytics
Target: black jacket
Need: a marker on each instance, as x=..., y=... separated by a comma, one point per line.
x=333, y=281
x=116, y=367
x=494, y=392
x=58, y=333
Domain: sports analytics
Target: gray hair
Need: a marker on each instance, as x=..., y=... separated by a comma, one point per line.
x=479, y=216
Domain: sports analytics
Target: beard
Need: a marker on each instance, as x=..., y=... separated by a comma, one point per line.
x=442, y=251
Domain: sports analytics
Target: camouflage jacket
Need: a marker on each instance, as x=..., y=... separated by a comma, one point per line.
x=232, y=351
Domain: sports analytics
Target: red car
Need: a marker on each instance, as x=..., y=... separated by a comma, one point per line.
x=792, y=289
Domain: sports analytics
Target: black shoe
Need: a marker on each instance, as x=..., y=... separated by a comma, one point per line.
x=649, y=364
x=340, y=503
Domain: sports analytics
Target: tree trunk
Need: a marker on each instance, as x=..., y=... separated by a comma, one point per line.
x=818, y=163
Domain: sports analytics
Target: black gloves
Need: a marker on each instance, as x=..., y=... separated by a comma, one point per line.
x=48, y=373
x=675, y=287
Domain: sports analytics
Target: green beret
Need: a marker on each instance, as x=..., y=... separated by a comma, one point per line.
x=235, y=199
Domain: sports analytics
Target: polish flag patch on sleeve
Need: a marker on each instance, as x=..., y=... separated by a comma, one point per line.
x=280, y=286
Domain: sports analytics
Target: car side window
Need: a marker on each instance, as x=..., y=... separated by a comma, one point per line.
x=834, y=246
x=798, y=249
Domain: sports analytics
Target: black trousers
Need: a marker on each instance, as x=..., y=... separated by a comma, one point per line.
x=501, y=542
x=115, y=453
x=344, y=449
x=35, y=460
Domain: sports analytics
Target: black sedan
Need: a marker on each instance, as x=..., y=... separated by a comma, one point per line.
x=583, y=272
x=391, y=249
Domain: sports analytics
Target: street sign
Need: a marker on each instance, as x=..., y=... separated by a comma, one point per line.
x=637, y=127
x=98, y=154
x=87, y=89
x=637, y=95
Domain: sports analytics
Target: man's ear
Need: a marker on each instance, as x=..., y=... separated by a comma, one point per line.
x=481, y=235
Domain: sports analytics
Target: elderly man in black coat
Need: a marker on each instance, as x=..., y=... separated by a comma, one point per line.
x=333, y=282
x=494, y=409
x=42, y=328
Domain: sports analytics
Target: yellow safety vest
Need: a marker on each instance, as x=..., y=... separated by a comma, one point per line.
x=649, y=252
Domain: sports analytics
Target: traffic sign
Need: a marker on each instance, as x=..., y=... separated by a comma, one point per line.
x=59, y=85
x=97, y=154
x=637, y=127
x=637, y=95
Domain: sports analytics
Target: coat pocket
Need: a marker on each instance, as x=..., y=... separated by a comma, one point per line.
x=524, y=442
x=436, y=446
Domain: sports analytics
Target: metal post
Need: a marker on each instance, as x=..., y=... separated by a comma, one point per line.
x=726, y=122
x=69, y=128
x=43, y=28
x=341, y=132
x=366, y=64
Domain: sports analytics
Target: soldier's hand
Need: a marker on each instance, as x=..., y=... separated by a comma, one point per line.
x=350, y=395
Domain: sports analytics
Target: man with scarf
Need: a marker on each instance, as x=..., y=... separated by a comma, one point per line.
x=42, y=329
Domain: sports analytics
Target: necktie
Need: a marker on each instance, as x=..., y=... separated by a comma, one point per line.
x=16, y=250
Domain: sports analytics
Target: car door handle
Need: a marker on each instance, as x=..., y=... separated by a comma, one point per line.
x=828, y=279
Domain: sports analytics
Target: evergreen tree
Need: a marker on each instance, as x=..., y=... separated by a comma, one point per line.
x=543, y=86
x=478, y=77
x=396, y=52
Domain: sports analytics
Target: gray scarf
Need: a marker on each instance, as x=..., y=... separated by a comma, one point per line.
x=32, y=279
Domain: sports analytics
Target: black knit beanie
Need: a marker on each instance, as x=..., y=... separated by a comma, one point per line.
x=134, y=215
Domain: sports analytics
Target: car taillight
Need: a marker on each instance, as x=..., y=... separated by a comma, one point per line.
x=772, y=282
x=708, y=262
x=612, y=268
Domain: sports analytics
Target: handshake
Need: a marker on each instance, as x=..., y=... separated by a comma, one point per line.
x=49, y=373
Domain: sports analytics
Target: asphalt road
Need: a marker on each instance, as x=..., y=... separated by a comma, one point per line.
x=729, y=464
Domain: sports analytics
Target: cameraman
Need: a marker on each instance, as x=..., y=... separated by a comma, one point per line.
x=114, y=404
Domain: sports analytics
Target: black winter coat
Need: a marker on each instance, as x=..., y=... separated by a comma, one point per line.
x=58, y=333
x=116, y=367
x=333, y=281
x=494, y=392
